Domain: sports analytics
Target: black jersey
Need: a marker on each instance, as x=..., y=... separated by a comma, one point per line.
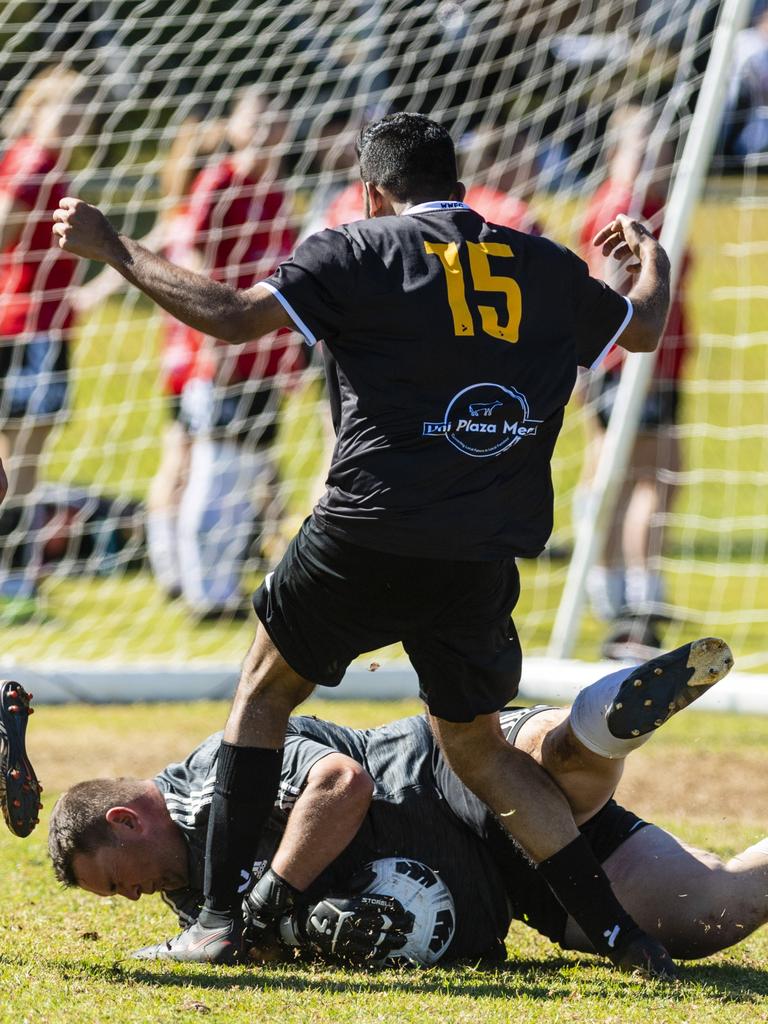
x=408, y=816
x=456, y=344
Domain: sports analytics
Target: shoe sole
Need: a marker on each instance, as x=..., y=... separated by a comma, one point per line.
x=661, y=687
x=19, y=789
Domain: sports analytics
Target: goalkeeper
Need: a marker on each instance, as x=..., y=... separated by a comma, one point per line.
x=136, y=837
x=456, y=344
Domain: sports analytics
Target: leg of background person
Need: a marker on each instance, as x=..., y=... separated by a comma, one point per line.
x=215, y=522
x=21, y=446
x=605, y=581
x=163, y=502
x=252, y=749
x=655, y=457
x=690, y=900
x=536, y=814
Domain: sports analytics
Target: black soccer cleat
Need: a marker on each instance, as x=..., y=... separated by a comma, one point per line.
x=647, y=958
x=19, y=789
x=199, y=945
x=661, y=687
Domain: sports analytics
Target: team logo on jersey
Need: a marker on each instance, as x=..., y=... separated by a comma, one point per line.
x=485, y=419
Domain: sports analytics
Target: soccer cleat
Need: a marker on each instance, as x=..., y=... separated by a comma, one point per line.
x=647, y=958
x=19, y=788
x=200, y=945
x=661, y=687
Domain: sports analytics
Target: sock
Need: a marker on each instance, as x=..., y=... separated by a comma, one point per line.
x=247, y=779
x=605, y=589
x=645, y=590
x=580, y=884
x=587, y=718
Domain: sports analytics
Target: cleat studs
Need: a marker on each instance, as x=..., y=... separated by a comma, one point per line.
x=30, y=696
x=30, y=711
x=647, y=703
x=14, y=709
x=658, y=671
x=13, y=693
x=638, y=683
x=619, y=705
x=17, y=803
x=635, y=732
x=671, y=706
x=658, y=722
x=15, y=774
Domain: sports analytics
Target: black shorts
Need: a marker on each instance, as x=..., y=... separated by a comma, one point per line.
x=329, y=601
x=659, y=405
x=531, y=899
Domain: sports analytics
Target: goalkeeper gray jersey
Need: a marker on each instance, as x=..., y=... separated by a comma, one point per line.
x=408, y=817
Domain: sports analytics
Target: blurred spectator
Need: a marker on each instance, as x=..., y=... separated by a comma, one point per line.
x=626, y=587
x=238, y=222
x=194, y=143
x=746, y=127
x=35, y=315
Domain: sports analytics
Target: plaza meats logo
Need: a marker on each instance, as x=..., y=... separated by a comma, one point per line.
x=485, y=419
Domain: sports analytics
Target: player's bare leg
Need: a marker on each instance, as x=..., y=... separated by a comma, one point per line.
x=536, y=814
x=689, y=899
x=247, y=779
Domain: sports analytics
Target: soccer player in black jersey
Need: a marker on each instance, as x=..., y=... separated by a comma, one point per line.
x=455, y=344
x=387, y=792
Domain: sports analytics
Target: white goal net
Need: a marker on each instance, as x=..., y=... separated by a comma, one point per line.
x=155, y=476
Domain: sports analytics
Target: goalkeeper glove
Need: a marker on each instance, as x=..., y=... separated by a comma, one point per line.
x=353, y=929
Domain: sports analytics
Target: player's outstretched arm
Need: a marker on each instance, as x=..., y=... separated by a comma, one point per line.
x=235, y=315
x=625, y=237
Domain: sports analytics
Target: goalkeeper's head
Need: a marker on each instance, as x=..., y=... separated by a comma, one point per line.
x=406, y=159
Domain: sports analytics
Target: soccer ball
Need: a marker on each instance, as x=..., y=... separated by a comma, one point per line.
x=422, y=892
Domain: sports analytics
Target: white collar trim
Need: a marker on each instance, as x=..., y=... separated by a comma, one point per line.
x=439, y=204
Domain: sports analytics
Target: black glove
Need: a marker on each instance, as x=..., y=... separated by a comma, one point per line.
x=352, y=928
x=268, y=900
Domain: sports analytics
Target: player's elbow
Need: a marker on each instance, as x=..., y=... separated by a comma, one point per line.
x=641, y=336
x=347, y=782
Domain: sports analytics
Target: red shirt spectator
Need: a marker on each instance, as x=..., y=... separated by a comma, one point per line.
x=238, y=224
x=612, y=198
x=34, y=274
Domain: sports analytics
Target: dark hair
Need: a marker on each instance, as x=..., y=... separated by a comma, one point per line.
x=409, y=155
x=79, y=824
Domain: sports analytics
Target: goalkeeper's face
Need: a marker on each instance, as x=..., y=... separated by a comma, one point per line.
x=141, y=860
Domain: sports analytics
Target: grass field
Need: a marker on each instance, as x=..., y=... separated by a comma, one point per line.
x=718, y=533
x=64, y=954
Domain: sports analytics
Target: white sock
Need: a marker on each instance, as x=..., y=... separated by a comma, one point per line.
x=605, y=588
x=645, y=589
x=588, y=713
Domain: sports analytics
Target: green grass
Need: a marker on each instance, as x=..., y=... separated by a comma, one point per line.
x=64, y=954
x=717, y=537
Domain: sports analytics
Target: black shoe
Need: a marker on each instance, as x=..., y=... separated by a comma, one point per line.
x=656, y=690
x=199, y=945
x=19, y=789
x=632, y=638
x=648, y=958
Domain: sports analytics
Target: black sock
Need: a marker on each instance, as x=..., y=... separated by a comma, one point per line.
x=247, y=779
x=580, y=884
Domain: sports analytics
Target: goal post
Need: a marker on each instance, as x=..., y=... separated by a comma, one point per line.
x=638, y=368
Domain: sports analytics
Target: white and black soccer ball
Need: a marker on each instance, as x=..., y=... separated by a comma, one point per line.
x=422, y=892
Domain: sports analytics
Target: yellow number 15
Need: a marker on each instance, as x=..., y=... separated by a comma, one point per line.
x=482, y=281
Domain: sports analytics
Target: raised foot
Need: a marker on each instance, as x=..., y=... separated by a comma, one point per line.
x=19, y=789
x=196, y=944
x=659, y=688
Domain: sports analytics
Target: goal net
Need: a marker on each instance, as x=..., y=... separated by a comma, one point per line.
x=172, y=471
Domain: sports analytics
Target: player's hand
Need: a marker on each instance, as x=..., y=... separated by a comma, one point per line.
x=625, y=237
x=353, y=929
x=85, y=231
